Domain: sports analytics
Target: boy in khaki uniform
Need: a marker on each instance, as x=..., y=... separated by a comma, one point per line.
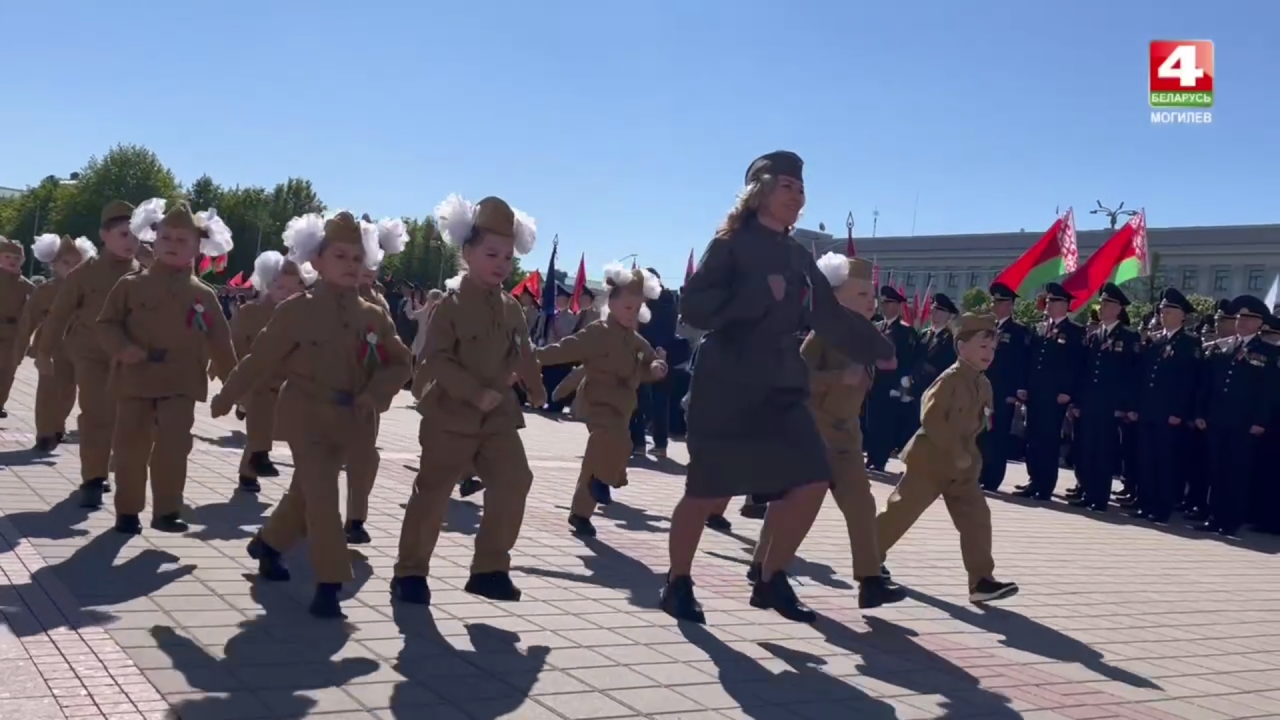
x=615, y=360
x=70, y=324
x=476, y=345
x=276, y=279
x=943, y=459
x=343, y=363
x=837, y=390
x=15, y=290
x=162, y=327
x=55, y=392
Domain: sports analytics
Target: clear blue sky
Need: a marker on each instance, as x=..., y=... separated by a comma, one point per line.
x=625, y=127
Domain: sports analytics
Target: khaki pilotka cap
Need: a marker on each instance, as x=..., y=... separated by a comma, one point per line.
x=494, y=215
x=180, y=217
x=65, y=247
x=116, y=210
x=859, y=269
x=11, y=247
x=343, y=229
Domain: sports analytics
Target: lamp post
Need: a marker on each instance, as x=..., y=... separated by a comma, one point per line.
x=71, y=179
x=1113, y=216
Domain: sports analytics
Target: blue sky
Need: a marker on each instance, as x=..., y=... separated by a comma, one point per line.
x=625, y=127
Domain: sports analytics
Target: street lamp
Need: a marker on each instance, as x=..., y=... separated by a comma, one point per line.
x=1113, y=216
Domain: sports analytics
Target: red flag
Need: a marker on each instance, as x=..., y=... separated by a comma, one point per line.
x=1052, y=256
x=689, y=267
x=1120, y=259
x=579, y=283
x=237, y=281
x=205, y=267
x=848, y=246
x=875, y=276
x=532, y=283
x=220, y=263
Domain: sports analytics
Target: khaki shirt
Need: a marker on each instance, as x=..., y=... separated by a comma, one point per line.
x=246, y=324
x=15, y=290
x=79, y=302
x=175, y=319
x=616, y=361
x=33, y=317
x=331, y=347
x=835, y=403
x=955, y=410
x=476, y=341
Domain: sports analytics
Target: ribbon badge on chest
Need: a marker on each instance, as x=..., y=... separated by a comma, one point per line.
x=198, y=317
x=986, y=419
x=372, y=353
x=806, y=294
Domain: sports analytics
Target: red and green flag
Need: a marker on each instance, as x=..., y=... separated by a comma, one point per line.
x=1052, y=256
x=1120, y=259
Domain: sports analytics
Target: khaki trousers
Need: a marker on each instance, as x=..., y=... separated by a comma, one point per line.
x=605, y=458
x=97, y=416
x=851, y=488
x=966, y=504
x=154, y=434
x=499, y=459
x=55, y=396
x=8, y=369
x=259, y=427
x=362, y=472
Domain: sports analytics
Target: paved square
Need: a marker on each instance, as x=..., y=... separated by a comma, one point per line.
x=1114, y=619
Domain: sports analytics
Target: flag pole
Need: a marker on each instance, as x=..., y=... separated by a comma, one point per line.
x=914, y=214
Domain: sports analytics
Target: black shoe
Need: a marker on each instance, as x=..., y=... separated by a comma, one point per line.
x=411, y=589
x=753, y=511
x=1139, y=514
x=776, y=594
x=91, y=493
x=1228, y=531
x=1196, y=514
x=324, y=604
x=1074, y=492
x=1209, y=525
x=884, y=571
x=1033, y=495
x=719, y=523
x=679, y=602
x=128, y=525
x=1158, y=519
x=240, y=415
x=600, y=492
x=1022, y=486
x=356, y=534
x=493, y=585
x=262, y=465
x=106, y=485
x=581, y=526
x=659, y=452
x=1080, y=502
x=469, y=487
x=45, y=445
x=270, y=565
x=987, y=590
x=1128, y=502
x=638, y=449
x=170, y=523
x=753, y=573
x=249, y=484
x=3, y=413
x=876, y=591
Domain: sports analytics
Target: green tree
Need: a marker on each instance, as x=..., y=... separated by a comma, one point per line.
x=1026, y=312
x=30, y=214
x=975, y=299
x=127, y=172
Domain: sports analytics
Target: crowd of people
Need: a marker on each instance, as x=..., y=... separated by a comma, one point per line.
x=790, y=377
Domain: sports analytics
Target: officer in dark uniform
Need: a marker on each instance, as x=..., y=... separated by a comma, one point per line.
x=937, y=344
x=1105, y=395
x=1056, y=362
x=1235, y=404
x=1195, y=505
x=1008, y=376
x=1166, y=409
x=1127, y=495
x=1264, y=499
x=889, y=402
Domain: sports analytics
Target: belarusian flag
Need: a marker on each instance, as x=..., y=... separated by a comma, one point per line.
x=1053, y=256
x=1120, y=259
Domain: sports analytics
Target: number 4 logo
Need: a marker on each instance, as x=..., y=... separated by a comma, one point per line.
x=1181, y=74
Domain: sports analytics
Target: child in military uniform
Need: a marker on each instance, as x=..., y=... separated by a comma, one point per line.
x=162, y=327
x=362, y=467
x=477, y=344
x=276, y=279
x=56, y=391
x=616, y=361
x=343, y=363
x=15, y=290
x=943, y=459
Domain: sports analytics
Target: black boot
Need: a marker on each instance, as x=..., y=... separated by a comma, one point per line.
x=719, y=523
x=754, y=511
x=60, y=436
x=170, y=523
x=878, y=590
x=884, y=571
x=679, y=602
x=3, y=413
x=469, y=487
x=493, y=585
x=356, y=534
x=45, y=445
x=753, y=573
x=988, y=590
x=91, y=493
x=777, y=594
x=411, y=589
x=249, y=484
x=270, y=565
x=324, y=604
x=581, y=526
x=128, y=525
x=262, y=465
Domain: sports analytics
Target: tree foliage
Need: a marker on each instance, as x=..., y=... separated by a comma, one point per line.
x=256, y=215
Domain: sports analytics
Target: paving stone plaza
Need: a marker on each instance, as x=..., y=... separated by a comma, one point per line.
x=1115, y=619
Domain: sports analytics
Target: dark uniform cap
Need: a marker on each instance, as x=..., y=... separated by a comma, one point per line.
x=779, y=163
x=116, y=210
x=889, y=292
x=586, y=290
x=1271, y=324
x=940, y=300
x=1000, y=291
x=1249, y=306
x=1112, y=293
x=1172, y=297
x=1225, y=309
x=1055, y=291
x=563, y=291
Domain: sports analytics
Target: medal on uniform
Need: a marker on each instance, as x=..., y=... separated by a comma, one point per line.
x=198, y=317
x=806, y=293
x=986, y=419
x=372, y=353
